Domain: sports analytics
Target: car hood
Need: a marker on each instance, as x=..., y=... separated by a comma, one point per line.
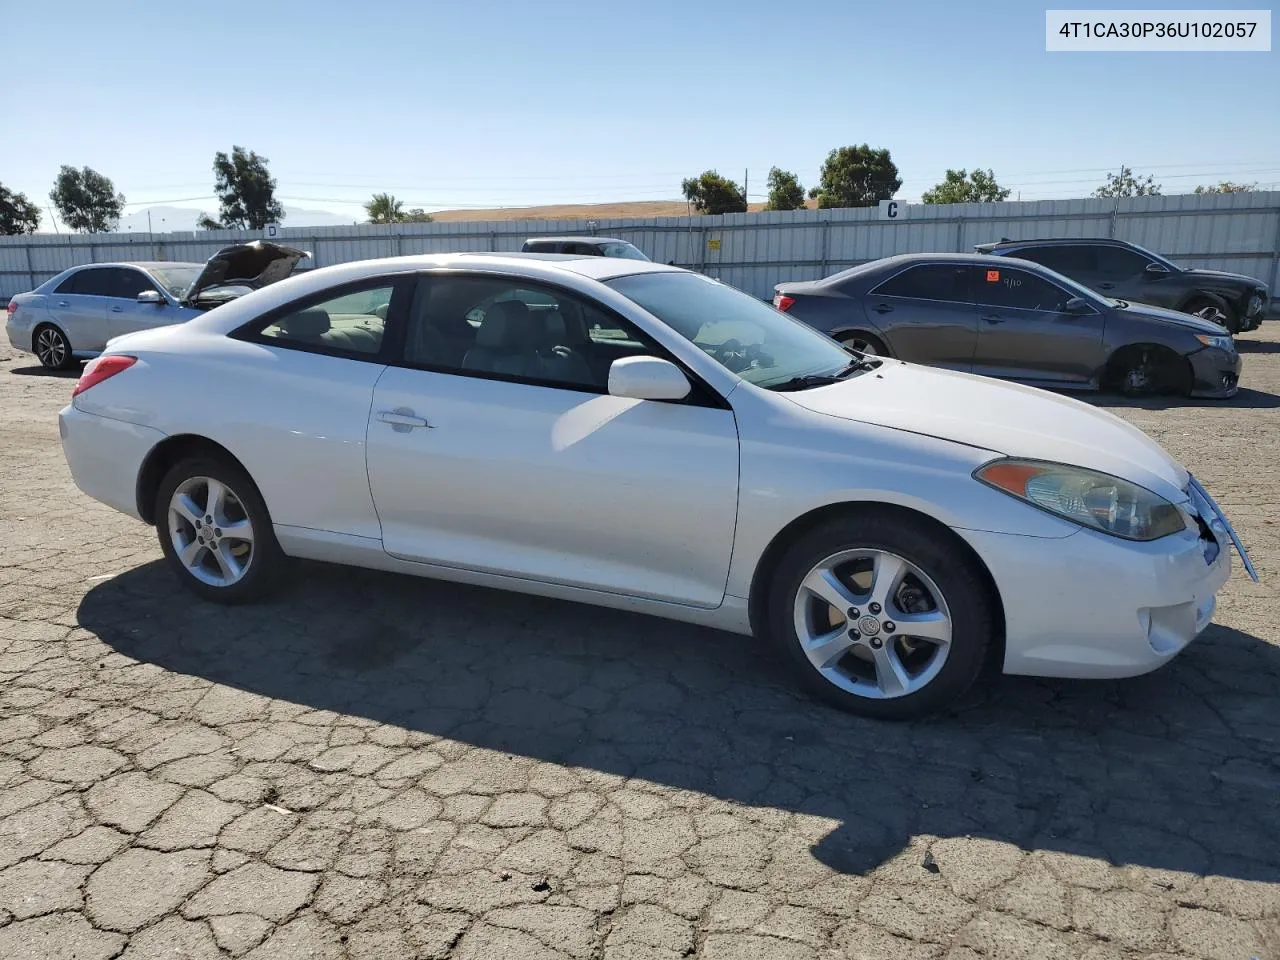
x=1005, y=418
x=1194, y=324
x=253, y=265
x=1240, y=278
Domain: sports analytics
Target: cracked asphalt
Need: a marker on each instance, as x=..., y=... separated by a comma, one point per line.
x=373, y=766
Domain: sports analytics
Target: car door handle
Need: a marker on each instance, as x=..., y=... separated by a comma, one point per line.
x=402, y=419
x=991, y=318
x=1106, y=286
x=63, y=303
x=117, y=309
x=882, y=308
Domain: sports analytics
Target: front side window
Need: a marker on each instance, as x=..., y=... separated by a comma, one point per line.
x=129, y=283
x=1118, y=263
x=352, y=323
x=928, y=281
x=1018, y=290
x=508, y=329
x=746, y=336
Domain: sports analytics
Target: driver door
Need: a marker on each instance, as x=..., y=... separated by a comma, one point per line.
x=510, y=457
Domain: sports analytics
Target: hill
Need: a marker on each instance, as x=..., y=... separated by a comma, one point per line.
x=638, y=209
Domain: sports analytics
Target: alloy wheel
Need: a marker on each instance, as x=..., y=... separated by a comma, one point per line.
x=211, y=531
x=51, y=348
x=873, y=623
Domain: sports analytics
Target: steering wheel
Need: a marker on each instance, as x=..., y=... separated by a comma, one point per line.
x=737, y=357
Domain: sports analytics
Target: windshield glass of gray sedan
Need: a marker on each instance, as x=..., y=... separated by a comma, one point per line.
x=751, y=339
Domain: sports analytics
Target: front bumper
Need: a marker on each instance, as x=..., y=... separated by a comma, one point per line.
x=1092, y=606
x=106, y=456
x=1215, y=373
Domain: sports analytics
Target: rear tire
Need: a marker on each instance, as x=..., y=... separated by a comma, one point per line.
x=215, y=530
x=52, y=348
x=864, y=342
x=876, y=563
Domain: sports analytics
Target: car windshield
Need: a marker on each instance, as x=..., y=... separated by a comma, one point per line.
x=746, y=336
x=624, y=250
x=176, y=278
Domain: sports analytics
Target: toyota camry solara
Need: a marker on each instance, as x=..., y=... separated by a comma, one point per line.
x=641, y=437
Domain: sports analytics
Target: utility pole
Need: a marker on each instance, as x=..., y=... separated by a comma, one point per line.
x=746, y=196
x=54, y=219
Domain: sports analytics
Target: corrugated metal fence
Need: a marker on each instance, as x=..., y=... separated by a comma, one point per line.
x=752, y=251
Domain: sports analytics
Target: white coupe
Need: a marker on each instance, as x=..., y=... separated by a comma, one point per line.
x=638, y=436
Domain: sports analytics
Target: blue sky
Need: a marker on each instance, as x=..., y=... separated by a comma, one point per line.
x=509, y=103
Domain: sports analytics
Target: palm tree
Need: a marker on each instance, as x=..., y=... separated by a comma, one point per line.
x=384, y=208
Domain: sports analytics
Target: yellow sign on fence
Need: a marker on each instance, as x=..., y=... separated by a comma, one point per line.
x=713, y=244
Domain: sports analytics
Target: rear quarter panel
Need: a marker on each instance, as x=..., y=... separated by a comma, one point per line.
x=296, y=421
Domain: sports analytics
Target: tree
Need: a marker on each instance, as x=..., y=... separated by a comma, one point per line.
x=960, y=187
x=246, y=192
x=417, y=215
x=17, y=213
x=86, y=200
x=785, y=192
x=385, y=208
x=856, y=177
x=712, y=193
x=1226, y=186
x=1125, y=184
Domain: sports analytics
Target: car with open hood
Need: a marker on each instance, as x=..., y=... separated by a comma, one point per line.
x=649, y=439
x=72, y=316
x=1117, y=268
x=1015, y=319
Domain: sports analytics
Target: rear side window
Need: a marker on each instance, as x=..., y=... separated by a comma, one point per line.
x=351, y=324
x=94, y=282
x=1069, y=259
x=1019, y=290
x=928, y=281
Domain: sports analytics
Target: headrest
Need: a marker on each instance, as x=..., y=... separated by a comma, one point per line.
x=306, y=323
x=507, y=326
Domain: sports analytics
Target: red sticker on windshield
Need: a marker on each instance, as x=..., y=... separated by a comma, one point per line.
x=993, y=276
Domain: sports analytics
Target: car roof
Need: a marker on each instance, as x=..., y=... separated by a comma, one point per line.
x=576, y=240
x=143, y=264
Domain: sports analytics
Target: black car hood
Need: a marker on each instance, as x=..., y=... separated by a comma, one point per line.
x=1223, y=275
x=1173, y=318
x=253, y=265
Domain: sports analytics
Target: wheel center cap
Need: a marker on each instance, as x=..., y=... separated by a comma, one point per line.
x=869, y=626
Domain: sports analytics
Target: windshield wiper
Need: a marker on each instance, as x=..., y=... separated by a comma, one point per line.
x=826, y=379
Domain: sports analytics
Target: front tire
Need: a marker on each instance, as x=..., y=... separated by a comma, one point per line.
x=215, y=531
x=882, y=615
x=865, y=343
x=52, y=348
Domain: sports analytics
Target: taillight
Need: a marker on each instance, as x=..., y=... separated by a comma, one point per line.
x=782, y=302
x=103, y=368
x=13, y=307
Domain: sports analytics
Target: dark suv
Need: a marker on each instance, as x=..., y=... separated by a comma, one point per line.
x=1126, y=271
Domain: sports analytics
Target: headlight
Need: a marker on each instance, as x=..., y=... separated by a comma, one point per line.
x=1222, y=343
x=1092, y=499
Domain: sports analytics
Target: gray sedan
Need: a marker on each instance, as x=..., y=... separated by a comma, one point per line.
x=1005, y=317
x=72, y=316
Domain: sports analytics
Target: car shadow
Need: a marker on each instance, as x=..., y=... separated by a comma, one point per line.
x=39, y=371
x=1257, y=346
x=1171, y=771
x=1245, y=399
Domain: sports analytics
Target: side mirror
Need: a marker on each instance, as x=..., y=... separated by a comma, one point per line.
x=151, y=296
x=647, y=378
x=1077, y=305
x=1156, y=270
